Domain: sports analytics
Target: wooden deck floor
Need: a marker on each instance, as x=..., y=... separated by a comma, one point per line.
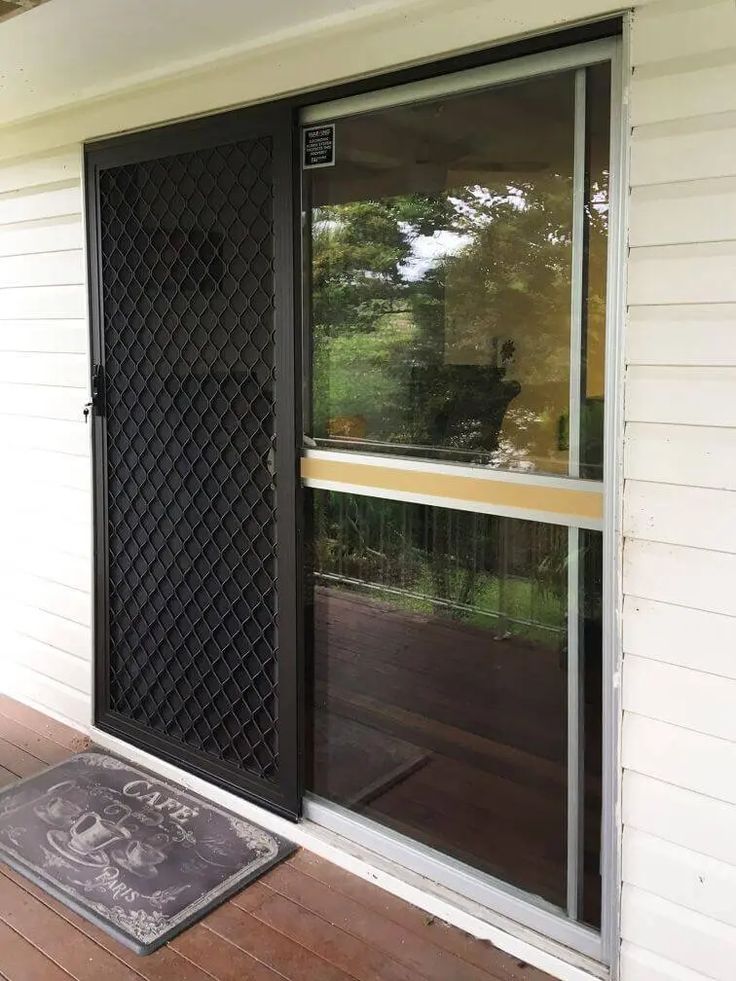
x=306, y=920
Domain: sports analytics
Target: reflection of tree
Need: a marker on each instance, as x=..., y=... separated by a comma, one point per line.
x=505, y=293
x=458, y=340
x=357, y=250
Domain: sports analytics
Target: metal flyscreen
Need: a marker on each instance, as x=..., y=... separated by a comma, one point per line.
x=187, y=279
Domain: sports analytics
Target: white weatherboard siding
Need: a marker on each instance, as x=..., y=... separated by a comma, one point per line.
x=679, y=618
x=679, y=579
x=45, y=608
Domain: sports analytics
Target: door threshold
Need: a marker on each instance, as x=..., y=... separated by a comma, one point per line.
x=435, y=899
x=508, y=906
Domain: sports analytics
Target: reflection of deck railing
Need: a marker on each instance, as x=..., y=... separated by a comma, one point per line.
x=476, y=569
x=327, y=578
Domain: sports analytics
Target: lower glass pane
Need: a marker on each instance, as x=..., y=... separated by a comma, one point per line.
x=591, y=708
x=440, y=683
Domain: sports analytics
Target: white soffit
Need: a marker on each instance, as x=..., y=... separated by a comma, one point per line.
x=64, y=51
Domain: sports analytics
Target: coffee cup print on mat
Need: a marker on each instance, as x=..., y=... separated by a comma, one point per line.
x=86, y=840
x=58, y=811
x=140, y=858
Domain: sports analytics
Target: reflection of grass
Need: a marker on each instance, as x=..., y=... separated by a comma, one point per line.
x=520, y=599
x=494, y=603
x=354, y=376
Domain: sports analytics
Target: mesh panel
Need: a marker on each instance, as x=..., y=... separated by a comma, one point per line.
x=187, y=262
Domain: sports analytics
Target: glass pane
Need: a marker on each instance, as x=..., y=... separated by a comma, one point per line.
x=439, y=274
x=440, y=680
x=591, y=707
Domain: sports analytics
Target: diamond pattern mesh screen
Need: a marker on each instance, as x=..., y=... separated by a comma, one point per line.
x=187, y=281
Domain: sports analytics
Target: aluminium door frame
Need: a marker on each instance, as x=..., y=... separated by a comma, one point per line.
x=283, y=795
x=495, y=894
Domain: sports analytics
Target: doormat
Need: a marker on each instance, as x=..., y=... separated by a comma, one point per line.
x=140, y=858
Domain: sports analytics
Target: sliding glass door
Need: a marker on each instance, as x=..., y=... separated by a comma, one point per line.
x=455, y=254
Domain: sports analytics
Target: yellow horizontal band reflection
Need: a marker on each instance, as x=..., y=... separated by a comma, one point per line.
x=485, y=491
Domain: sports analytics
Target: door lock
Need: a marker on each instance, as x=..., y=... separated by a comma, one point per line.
x=96, y=403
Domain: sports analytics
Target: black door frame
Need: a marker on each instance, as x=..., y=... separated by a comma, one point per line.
x=284, y=795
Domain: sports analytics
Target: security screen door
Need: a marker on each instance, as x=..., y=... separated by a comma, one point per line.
x=190, y=243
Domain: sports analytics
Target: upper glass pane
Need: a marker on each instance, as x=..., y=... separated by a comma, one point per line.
x=438, y=277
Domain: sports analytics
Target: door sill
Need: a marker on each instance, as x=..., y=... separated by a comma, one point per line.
x=437, y=900
x=491, y=898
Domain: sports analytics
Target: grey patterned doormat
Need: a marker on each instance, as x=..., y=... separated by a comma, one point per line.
x=141, y=858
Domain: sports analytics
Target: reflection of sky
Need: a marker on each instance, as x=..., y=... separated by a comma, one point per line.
x=427, y=250
x=326, y=225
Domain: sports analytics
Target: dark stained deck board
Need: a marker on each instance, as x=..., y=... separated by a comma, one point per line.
x=17, y=760
x=32, y=742
x=7, y=777
x=352, y=955
x=271, y=948
x=417, y=954
x=223, y=960
x=43, y=725
x=479, y=952
x=306, y=920
x=50, y=934
x=163, y=965
x=20, y=961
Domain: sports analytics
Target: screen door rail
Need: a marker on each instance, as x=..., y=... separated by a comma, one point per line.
x=532, y=497
x=516, y=69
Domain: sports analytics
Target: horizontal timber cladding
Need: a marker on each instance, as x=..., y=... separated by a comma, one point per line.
x=45, y=596
x=679, y=741
x=700, y=334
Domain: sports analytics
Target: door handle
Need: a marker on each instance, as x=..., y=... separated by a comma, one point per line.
x=96, y=403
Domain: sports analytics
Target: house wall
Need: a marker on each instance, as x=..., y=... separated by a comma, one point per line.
x=679, y=631
x=45, y=504
x=679, y=577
